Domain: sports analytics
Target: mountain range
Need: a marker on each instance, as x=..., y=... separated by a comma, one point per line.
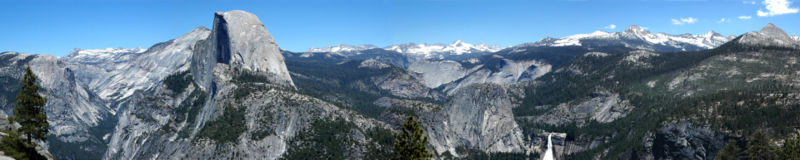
x=230, y=92
x=633, y=37
x=426, y=51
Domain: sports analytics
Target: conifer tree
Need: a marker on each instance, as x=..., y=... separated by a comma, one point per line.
x=410, y=142
x=758, y=147
x=731, y=151
x=791, y=149
x=29, y=110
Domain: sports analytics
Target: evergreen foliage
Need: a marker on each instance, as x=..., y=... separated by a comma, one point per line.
x=383, y=148
x=322, y=140
x=226, y=128
x=736, y=104
x=29, y=111
x=790, y=150
x=758, y=147
x=410, y=142
x=16, y=148
x=179, y=81
x=731, y=151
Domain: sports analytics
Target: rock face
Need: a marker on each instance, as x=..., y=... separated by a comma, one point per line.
x=240, y=42
x=770, y=35
x=452, y=75
x=436, y=73
x=400, y=83
x=603, y=107
x=683, y=140
x=501, y=70
x=478, y=116
x=71, y=107
x=115, y=74
x=236, y=101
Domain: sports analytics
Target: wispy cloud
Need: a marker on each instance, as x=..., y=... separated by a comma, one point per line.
x=776, y=7
x=610, y=26
x=682, y=21
x=745, y=17
x=722, y=20
x=749, y=2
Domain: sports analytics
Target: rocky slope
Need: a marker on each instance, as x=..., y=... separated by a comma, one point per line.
x=240, y=43
x=770, y=35
x=244, y=106
x=478, y=116
x=504, y=67
x=668, y=105
x=5, y=124
x=73, y=110
x=228, y=93
x=115, y=74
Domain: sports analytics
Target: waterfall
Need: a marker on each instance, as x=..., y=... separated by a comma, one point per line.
x=548, y=155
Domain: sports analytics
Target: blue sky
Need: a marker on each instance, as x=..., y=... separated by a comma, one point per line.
x=56, y=27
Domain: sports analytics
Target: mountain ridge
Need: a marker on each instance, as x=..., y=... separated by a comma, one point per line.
x=769, y=35
x=640, y=38
x=423, y=50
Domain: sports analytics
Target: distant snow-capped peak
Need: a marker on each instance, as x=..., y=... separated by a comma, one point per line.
x=458, y=47
x=635, y=35
x=430, y=50
x=342, y=48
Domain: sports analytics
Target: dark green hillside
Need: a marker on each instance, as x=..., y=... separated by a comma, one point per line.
x=753, y=91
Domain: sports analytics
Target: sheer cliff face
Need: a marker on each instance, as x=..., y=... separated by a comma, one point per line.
x=239, y=42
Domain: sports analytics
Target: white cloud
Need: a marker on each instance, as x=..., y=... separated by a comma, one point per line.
x=745, y=17
x=682, y=21
x=749, y=2
x=611, y=26
x=721, y=20
x=776, y=7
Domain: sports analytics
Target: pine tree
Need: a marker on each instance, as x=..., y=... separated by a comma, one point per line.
x=758, y=148
x=790, y=150
x=410, y=142
x=731, y=151
x=29, y=111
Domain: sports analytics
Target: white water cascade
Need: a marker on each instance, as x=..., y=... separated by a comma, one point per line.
x=548, y=155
